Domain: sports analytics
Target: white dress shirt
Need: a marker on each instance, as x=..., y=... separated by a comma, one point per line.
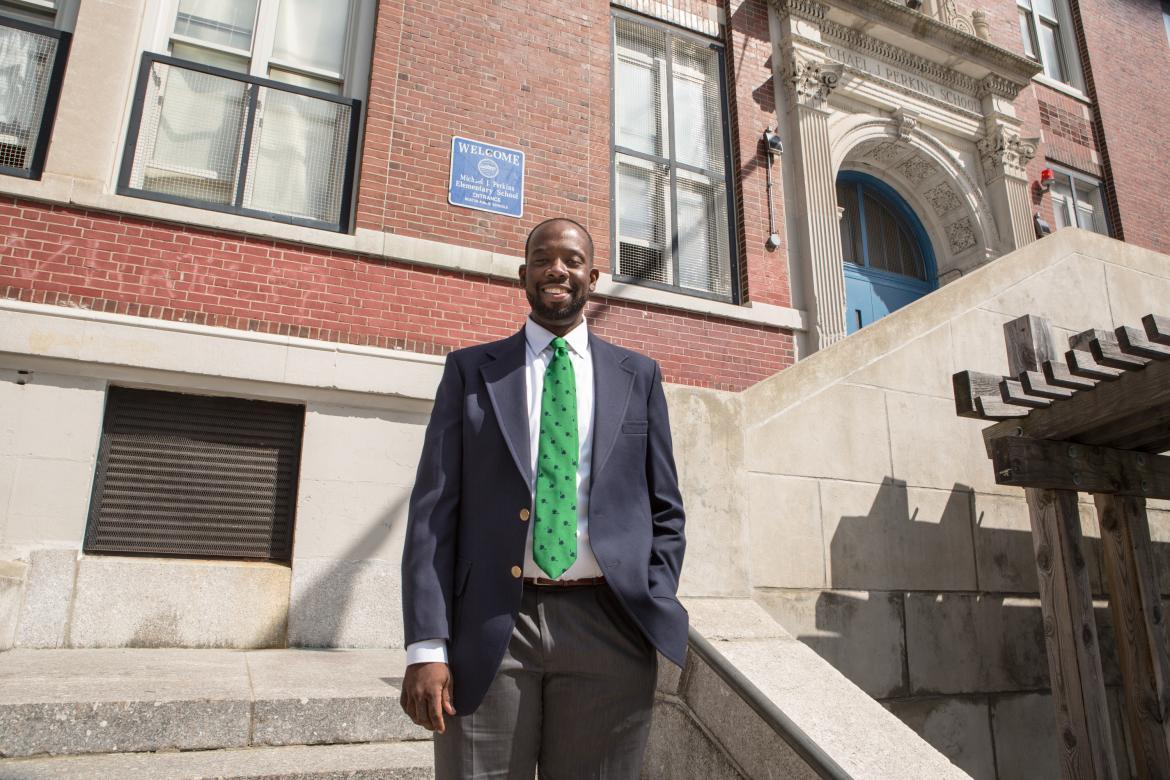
x=536, y=360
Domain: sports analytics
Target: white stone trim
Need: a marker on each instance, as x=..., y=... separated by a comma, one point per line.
x=1060, y=86
x=189, y=356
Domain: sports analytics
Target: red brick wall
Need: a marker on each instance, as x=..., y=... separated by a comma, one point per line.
x=528, y=75
x=1130, y=58
x=107, y=263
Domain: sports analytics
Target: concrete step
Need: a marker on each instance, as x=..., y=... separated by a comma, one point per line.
x=389, y=761
x=65, y=702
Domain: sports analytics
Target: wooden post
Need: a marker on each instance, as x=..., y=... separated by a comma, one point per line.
x=1066, y=600
x=1137, y=620
x=1070, y=635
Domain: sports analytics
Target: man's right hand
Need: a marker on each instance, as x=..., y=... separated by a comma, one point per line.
x=426, y=695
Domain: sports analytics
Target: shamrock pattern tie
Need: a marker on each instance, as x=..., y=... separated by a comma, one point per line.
x=554, y=540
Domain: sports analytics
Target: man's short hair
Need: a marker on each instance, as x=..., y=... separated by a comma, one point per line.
x=578, y=225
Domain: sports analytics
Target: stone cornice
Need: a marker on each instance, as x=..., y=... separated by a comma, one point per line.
x=861, y=42
x=1012, y=71
x=803, y=9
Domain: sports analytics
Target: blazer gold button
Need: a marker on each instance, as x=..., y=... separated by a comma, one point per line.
x=525, y=514
x=517, y=571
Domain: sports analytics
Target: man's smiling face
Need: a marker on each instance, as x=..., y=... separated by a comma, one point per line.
x=558, y=275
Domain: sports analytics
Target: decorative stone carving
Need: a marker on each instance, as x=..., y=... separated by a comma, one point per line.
x=812, y=80
x=905, y=122
x=887, y=152
x=943, y=198
x=961, y=235
x=1002, y=151
x=994, y=84
x=949, y=14
x=916, y=169
x=804, y=9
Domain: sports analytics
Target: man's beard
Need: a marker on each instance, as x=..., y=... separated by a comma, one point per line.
x=562, y=313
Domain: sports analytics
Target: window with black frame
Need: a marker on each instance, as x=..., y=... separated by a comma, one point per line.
x=34, y=46
x=254, y=109
x=672, y=200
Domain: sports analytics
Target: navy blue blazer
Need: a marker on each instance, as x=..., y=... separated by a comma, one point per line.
x=465, y=531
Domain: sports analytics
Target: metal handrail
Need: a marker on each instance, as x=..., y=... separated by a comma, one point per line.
x=800, y=742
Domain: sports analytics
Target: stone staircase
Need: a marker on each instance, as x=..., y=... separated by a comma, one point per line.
x=162, y=714
x=752, y=702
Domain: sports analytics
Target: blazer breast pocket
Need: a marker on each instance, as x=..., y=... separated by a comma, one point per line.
x=636, y=427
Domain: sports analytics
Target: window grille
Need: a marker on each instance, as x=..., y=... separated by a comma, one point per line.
x=875, y=236
x=195, y=476
x=671, y=190
x=32, y=65
x=204, y=136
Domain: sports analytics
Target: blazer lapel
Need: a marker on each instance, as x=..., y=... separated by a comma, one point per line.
x=504, y=378
x=612, y=382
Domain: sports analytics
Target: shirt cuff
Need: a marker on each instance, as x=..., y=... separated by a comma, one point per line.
x=427, y=651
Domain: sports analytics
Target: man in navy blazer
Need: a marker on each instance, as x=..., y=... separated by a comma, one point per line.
x=514, y=669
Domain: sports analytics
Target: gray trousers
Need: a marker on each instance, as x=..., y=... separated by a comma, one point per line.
x=573, y=696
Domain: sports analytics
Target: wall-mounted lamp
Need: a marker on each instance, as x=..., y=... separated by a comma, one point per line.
x=772, y=142
x=773, y=146
x=1046, y=179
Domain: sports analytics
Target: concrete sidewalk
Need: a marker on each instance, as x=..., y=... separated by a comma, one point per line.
x=71, y=702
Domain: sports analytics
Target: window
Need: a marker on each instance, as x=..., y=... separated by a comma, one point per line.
x=888, y=258
x=252, y=107
x=1044, y=30
x=1166, y=18
x=195, y=476
x=1077, y=201
x=34, y=46
x=670, y=161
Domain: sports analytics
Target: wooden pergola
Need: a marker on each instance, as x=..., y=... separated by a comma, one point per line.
x=1091, y=422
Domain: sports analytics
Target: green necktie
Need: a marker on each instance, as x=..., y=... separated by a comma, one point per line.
x=554, y=539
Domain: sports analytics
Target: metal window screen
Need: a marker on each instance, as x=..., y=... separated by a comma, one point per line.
x=671, y=199
x=298, y=156
x=240, y=145
x=26, y=68
x=195, y=476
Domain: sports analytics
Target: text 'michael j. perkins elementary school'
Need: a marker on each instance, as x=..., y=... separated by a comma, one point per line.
x=237, y=240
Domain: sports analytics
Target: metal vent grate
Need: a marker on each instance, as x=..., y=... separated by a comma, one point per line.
x=195, y=476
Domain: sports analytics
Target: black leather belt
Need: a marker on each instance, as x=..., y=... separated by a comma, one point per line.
x=541, y=582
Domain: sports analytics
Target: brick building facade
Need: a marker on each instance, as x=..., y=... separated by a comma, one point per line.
x=252, y=200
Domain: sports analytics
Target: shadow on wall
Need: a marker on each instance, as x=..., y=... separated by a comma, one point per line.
x=325, y=602
x=934, y=610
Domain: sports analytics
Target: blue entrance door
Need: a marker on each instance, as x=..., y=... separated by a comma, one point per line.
x=888, y=259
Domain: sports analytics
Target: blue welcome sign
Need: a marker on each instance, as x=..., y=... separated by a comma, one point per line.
x=486, y=177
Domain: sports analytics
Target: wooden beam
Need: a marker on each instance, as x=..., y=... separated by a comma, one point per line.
x=1134, y=342
x=969, y=385
x=1058, y=373
x=1013, y=392
x=1141, y=392
x=1137, y=626
x=1035, y=383
x=1070, y=634
x=994, y=409
x=1106, y=351
x=1061, y=465
x=1082, y=364
x=1157, y=328
x=1029, y=343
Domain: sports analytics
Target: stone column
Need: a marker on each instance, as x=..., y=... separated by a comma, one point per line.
x=1005, y=155
x=808, y=77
